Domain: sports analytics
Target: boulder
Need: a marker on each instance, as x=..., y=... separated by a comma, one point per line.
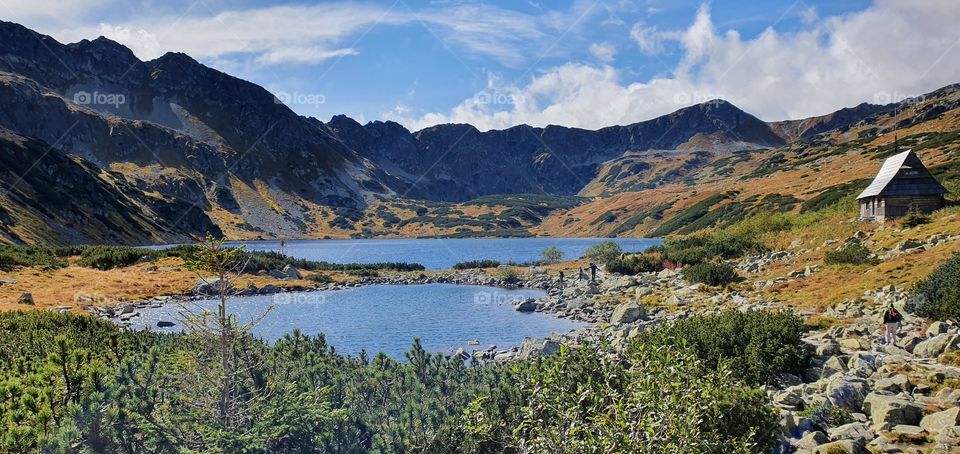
x=207, y=287
x=889, y=411
x=935, y=346
x=846, y=394
x=527, y=305
x=812, y=439
x=165, y=324
x=937, y=328
x=627, y=313
x=940, y=422
x=291, y=272
x=26, y=298
x=833, y=366
x=893, y=385
x=853, y=344
x=532, y=348
x=907, y=433
x=856, y=431
x=841, y=447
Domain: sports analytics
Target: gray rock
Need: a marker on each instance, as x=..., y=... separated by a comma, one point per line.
x=933, y=347
x=628, y=313
x=165, y=324
x=291, y=272
x=527, y=305
x=833, y=366
x=937, y=328
x=842, y=446
x=888, y=411
x=812, y=439
x=531, y=348
x=26, y=298
x=208, y=287
x=856, y=431
x=846, y=394
x=940, y=422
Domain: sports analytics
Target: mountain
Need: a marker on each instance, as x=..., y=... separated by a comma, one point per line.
x=51, y=197
x=456, y=162
x=181, y=149
x=178, y=128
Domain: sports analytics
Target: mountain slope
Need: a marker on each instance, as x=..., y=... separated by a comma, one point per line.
x=52, y=198
x=457, y=162
x=225, y=144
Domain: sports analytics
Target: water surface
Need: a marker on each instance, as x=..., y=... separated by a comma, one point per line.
x=387, y=317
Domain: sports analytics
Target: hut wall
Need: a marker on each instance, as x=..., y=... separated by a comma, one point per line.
x=898, y=206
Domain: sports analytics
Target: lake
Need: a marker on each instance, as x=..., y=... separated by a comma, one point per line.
x=386, y=317
x=437, y=253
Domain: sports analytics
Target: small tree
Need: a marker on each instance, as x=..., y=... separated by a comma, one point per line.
x=222, y=330
x=603, y=252
x=551, y=255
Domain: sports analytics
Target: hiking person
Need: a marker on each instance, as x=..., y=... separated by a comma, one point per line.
x=561, y=277
x=891, y=322
x=593, y=272
x=581, y=276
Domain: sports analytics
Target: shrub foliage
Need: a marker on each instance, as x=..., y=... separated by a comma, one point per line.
x=715, y=274
x=756, y=346
x=938, y=296
x=850, y=254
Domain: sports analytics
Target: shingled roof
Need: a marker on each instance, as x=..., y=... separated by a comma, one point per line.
x=903, y=174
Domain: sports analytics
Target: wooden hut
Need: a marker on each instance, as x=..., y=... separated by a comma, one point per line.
x=903, y=185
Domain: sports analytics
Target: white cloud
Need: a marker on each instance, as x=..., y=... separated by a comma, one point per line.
x=889, y=49
x=313, y=33
x=605, y=52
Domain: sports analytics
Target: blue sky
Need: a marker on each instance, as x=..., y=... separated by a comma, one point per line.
x=585, y=63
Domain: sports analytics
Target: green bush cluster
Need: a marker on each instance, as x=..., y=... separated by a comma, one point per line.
x=633, y=264
x=658, y=399
x=756, y=346
x=551, y=255
x=15, y=256
x=938, y=296
x=850, y=254
x=603, y=252
x=703, y=248
x=476, y=264
x=827, y=415
x=110, y=257
x=914, y=219
x=71, y=383
x=715, y=274
x=320, y=278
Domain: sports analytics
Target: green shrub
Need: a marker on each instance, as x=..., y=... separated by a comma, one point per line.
x=938, y=296
x=633, y=264
x=320, y=278
x=703, y=248
x=476, y=264
x=110, y=257
x=508, y=274
x=363, y=272
x=850, y=254
x=756, y=346
x=603, y=252
x=914, y=219
x=827, y=416
x=551, y=255
x=15, y=256
x=583, y=400
x=710, y=274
